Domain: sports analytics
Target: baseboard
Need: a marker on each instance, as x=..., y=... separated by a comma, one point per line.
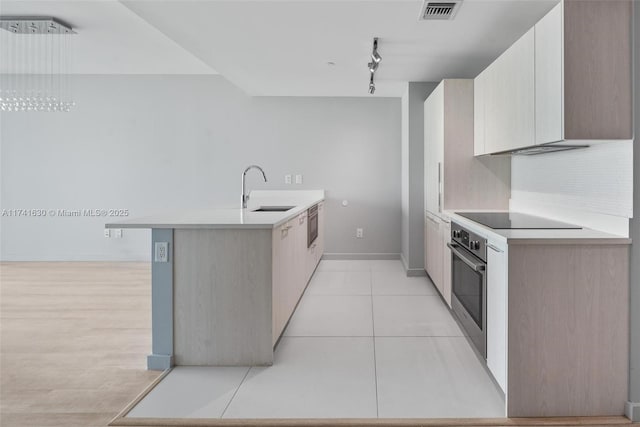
x=159, y=362
x=411, y=272
x=416, y=272
x=359, y=256
x=632, y=411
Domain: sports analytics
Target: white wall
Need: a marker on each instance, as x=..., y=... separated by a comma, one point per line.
x=157, y=143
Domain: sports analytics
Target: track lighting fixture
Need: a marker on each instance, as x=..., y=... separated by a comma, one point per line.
x=373, y=65
x=375, y=56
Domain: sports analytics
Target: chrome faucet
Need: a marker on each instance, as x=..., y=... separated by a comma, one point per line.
x=245, y=197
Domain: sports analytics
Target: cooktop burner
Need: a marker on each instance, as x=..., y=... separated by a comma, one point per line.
x=514, y=220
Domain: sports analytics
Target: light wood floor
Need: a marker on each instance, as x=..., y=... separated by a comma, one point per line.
x=73, y=341
x=73, y=344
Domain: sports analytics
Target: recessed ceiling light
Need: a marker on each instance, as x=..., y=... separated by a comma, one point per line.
x=331, y=63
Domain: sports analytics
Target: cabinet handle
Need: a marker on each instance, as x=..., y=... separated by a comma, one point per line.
x=431, y=219
x=439, y=186
x=490, y=246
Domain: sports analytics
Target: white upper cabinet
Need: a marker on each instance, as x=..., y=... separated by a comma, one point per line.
x=548, y=77
x=509, y=98
x=568, y=78
x=479, y=85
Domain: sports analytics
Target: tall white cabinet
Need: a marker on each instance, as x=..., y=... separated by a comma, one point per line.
x=434, y=149
x=454, y=178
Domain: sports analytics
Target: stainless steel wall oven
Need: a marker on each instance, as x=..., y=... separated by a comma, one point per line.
x=312, y=225
x=469, y=284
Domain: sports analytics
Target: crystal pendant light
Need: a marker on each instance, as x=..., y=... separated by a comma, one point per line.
x=36, y=58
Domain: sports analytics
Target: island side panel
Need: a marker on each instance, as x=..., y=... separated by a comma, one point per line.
x=222, y=297
x=568, y=330
x=161, y=303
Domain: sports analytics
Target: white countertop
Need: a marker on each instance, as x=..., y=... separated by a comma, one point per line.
x=581, y=236
x=232, y=217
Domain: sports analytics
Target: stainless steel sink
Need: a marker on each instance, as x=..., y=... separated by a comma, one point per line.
x=273, y=208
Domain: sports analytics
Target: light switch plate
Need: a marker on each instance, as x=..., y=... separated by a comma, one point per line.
x=161, y=252
x=299, y=179
x=107, y=232
x=359, y=233
x=287, y=179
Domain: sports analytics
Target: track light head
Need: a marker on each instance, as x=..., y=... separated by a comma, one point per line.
x=373, y=65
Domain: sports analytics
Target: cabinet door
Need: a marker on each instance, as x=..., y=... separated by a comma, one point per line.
x=426, y=243
x=321, y=232
x=510, y=98
x=434, y=148
x=497, y=312
x=300, y=254
x=290, y=291
x=434, y=251
x=446, y=261
x=479, y=84
x=278, y=282
x=549, y=77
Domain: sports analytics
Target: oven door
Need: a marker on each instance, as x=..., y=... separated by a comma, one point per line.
x=469, y=294
x=312, y=225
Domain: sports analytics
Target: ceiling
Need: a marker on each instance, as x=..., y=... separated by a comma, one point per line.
x=111, y=39
x=282, y=48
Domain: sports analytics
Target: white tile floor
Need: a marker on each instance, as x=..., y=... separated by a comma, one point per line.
x=365, y=341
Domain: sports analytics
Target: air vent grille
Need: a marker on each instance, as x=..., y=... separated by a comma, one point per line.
x=432, y=10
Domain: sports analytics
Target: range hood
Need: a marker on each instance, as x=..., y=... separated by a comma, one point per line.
x=539, y=149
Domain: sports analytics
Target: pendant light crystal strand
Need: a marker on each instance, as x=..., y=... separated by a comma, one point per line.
x=36, y=64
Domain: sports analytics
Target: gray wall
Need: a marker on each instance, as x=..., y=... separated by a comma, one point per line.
x=634, y=378
x=158, y=143
x=413, y=175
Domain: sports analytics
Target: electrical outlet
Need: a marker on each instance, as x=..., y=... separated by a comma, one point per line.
x=107, y=232
x=287, y=179
x=298, y=179
x=359, y=233
x=118, y=233
x=161, y=250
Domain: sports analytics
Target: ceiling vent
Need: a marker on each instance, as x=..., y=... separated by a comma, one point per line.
x=439, y=10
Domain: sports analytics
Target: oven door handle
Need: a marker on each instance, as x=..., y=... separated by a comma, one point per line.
x=475, y=266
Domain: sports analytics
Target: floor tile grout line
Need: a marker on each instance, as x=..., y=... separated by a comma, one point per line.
x=373, y=338
x=235, y=392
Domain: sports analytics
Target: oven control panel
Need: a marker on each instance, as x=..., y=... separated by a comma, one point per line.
x=469, y=240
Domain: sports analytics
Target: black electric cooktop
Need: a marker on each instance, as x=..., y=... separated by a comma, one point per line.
x=514, y=220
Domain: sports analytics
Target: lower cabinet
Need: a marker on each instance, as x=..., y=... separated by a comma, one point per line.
x=446, y=261
x=497, y=311
x=293, y=265
x=437, y=256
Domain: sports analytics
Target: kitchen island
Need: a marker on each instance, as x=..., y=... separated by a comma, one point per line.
x=226, y=281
